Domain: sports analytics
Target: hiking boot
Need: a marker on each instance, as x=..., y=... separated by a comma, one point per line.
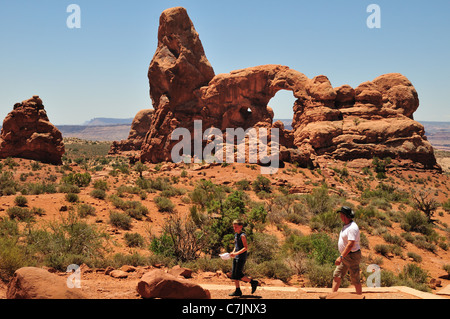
x=236, y=293
x=254, y=284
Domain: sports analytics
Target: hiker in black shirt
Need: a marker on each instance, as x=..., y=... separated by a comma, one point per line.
x=239, y=256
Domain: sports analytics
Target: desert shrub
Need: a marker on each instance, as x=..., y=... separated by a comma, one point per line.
x=415, y=277
x=8, y=186
x=380, y=166
x=68, y=188
x=78, y=179
x=134, y=240
x=382, y=249
x=137, y=212
x=408, y=237
x=243, y=185
x=275, y=268
x=327, y=221
x=319, y=201
x=320, y=275
x=184, y=240
x=101, y=184
x=39, y=188
x=263, y=247
x=135, y=259
x=205, y=192
x=446, y=267
x=120, y=220
x=446, y=205
x=416, y=257
x=70, y=241
x=317, y=246
x=162, y=245
x=72, y=198
x=417, y=222
x=21, y=201
x=388, y=278
x=98, y=193
x=20, y=214
x=387, y=192
x=12, y=257
x=422, y=243
x=164, y=204
x=394, y=239
x=262, y=184
x=85, y=210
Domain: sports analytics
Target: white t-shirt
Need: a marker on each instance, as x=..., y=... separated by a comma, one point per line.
x=349, y=232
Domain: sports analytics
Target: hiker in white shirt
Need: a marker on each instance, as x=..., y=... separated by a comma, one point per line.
x=350, y=251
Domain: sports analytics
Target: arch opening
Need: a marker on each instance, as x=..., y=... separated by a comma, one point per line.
x=282, y=105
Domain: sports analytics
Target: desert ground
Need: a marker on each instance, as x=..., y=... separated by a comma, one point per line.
x=294, y=206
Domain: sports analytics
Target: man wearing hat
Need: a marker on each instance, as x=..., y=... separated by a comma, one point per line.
x=350, y=250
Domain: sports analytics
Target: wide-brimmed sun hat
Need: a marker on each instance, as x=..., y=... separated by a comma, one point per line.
x=347, y=211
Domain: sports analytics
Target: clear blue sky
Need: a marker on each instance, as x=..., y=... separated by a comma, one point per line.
x=100, y=70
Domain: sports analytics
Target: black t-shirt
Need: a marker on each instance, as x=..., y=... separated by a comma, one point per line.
x=238, y=245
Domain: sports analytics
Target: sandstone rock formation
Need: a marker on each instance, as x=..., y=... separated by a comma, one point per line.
x=38, y=283
x=177, y=71
x=159, y=284
x=343, y=123
x=139, y=128
x=28, y=133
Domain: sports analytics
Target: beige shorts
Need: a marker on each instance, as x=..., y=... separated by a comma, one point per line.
x=350, y=263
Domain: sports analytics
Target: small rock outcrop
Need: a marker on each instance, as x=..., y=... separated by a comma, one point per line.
x=139, y=128
x=374, y=119
x=38, y=283
x=159, y=284
x=28, y=133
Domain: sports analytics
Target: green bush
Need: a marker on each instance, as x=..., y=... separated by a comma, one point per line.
x=319, y=202
x=70, y=241
x=98, y=193
x=320, y=275
x=262, y=184
x=417, y=222
x=20, y=214
x=78, y=179
x=446, y=267
x=12, y=257
x=415, y=277
x=134, y=240
x=382, y=249
x=394, y=239
x=21, y=201
x=120, y=220
x=318, y=247
x=416, y=257
x=164, y=204
x=85, y=210
x=72, y=198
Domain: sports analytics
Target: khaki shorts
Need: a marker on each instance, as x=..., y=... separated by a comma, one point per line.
x=350, y=262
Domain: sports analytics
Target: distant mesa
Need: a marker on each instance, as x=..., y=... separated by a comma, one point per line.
x=28, y=133
x=106, y=121
x=374, y=119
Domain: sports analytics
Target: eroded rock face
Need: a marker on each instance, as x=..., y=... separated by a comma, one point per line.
x=177, y=71
x=345, y=123
x=139, y=128
x=28, y=133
